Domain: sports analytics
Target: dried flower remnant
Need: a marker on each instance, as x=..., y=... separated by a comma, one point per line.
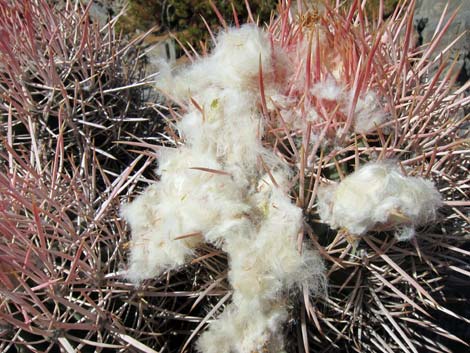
x=215, y=186
x=378, y=195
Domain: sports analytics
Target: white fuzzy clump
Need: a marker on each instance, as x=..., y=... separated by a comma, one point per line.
x=379, y=196
x=328, y=89
x=368, y=114
x=212, y=190
x=263, y=267
x=185, y=201
x=234, y=63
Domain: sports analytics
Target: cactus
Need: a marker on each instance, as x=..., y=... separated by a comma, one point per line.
x=339, y=91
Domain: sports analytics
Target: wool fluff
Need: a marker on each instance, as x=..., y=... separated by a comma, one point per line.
x=212, y=190
x=234, y=63
x=379, y=196
x=332, y=99
x=328, y=89
x=264, y=266
x=368, y=114
x=245, y=331
x=184, y=201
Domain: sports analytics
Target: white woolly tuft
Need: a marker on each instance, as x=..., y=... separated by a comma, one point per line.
x=368, y=114
x=328, y=89
x=212, y=190
x=152, y=251
x=378, y=195
x=234, y=63
x=244, y=329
